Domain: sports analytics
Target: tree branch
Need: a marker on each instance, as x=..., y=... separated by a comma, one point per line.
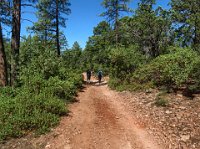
x=28, y=5
x=28, y=20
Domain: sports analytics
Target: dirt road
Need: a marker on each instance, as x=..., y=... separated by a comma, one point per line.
x=100, y=121
x=106, y=119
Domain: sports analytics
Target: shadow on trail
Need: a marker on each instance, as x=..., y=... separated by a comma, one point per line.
x=95, y=83
x=82, y=89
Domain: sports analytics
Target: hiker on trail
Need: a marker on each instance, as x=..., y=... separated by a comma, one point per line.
x=100, y=75
x=89, y=73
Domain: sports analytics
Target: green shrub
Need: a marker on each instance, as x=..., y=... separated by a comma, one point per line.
x=124, y=61
x=174, y=70
x=8, y=92
x=161, y=102
x=122, y=86
x=27, y=112
x=38, y=101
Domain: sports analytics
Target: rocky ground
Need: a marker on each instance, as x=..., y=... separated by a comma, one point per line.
x=178, y=124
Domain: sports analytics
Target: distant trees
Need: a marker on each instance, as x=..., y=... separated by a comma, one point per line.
x=96, y=50
x=73, y=57
x=148, y=27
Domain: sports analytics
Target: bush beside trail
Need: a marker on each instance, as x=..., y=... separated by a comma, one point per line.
x=45, y=87
x=178, y=69
x=124, y=61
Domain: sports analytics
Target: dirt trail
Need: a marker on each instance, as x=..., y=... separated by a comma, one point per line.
x=99, y=121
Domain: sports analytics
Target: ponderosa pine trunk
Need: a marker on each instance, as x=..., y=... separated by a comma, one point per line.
x=57, y=29
x=15, y=40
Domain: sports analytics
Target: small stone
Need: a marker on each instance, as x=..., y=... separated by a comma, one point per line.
x=168, y=112
x=182, y=108
x=184, y=138
x=48, y=146
x=68, y=141
x=148, y=91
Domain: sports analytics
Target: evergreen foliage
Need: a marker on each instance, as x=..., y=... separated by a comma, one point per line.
x=186, y=14
x=51, y=16
x=114, y=8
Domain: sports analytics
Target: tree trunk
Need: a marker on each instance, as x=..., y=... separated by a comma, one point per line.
x=15, y=40
x=57, y=30
x=117, y=23
x=3, y=62
x=117, y=33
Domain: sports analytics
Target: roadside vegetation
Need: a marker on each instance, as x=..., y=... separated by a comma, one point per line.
x=44, y=88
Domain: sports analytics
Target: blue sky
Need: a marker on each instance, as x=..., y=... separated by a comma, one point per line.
x=82, y=20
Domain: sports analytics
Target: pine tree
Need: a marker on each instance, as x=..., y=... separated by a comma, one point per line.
x=3, y=62
x=96, y=51
x=113, y=13
x=4, y=18
x=44, y=28
x=15, y=39
x=72, y=57
x=186, y=14
x=51, y=16
x=151, y=28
